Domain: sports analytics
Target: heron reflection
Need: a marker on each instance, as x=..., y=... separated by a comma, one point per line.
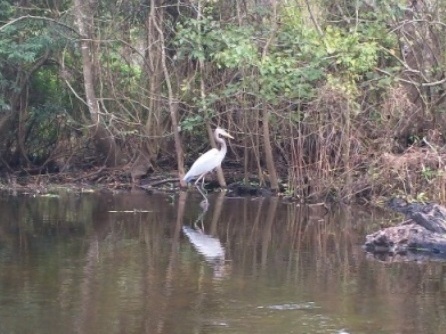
x=208, y=245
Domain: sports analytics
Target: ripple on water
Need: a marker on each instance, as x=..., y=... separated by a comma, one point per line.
x=291, y=306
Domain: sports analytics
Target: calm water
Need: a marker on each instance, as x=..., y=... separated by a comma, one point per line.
x=139, y=263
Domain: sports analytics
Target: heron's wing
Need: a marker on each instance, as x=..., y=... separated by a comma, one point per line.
x=205, y=163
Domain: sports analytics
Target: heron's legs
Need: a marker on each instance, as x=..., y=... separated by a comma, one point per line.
x=201, y=189
x=204, y=206
x=206, y=201
x=201, y=177
x=202, y=184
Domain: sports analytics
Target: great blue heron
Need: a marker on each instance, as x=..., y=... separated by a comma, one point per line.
x=208, y=161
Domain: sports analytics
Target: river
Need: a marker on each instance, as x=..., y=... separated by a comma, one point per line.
x=120, y=262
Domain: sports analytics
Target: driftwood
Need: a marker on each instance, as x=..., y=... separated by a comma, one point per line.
x=424, y=230
x=431, y=216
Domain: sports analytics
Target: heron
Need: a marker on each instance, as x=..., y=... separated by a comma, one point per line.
x=208, y=161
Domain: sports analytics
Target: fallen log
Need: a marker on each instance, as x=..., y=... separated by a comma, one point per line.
x=424, y=230
x=429, y=215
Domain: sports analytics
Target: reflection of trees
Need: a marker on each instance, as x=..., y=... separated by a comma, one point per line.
x=321, y=254
x=141, y=271
x=87, y=289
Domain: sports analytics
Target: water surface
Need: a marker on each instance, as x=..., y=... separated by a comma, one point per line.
x=139, y=263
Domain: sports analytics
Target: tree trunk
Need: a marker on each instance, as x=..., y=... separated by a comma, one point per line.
x=345, y=142
x=156, y=123
x=103, y=139
x=21, y=128
x=173, y=102
x=269, y=152
x=274, y=184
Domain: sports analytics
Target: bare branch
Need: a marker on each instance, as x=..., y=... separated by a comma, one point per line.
x=40, y=18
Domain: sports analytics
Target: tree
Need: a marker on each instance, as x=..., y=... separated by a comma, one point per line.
x=103, y=138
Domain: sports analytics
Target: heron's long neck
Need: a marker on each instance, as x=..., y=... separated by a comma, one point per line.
x=223, y=148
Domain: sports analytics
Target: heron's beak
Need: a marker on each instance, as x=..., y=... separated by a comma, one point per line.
x=227, y=135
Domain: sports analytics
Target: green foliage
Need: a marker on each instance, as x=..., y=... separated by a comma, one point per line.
x=126, y=75
x=47, y=113
x=21, y=46
x=238, y=49
x=45, y=87
x=24, y=42
x=28, y=70
x=190, y=123
x=354, y=55
x=281, y=76
x=430, y=174
x=206, y=40
x=195, y=38
x=297, y=60
x=6, y=10
x=43, y=130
